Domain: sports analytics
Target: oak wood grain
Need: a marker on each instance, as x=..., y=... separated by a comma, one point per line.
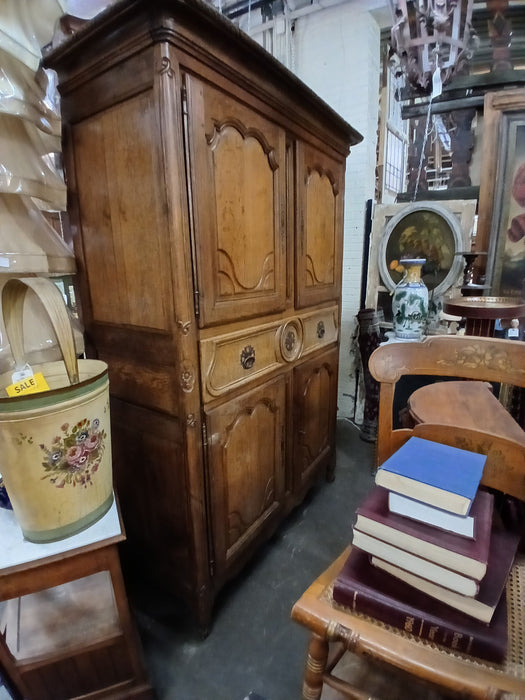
x=206, y=200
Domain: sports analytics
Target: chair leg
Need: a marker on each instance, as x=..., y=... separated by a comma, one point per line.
x=316, y=661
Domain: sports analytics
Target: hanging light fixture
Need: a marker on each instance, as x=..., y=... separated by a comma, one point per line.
x=431, y=34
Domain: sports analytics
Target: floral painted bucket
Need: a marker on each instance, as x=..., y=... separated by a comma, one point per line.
x=55, y=445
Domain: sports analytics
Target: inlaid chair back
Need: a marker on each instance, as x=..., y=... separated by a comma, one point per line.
x=462, y=357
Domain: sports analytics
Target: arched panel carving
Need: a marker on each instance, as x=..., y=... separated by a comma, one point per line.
x=246, y=437
x=243, y=172
x=237, y=160
x=249, y=467
x=315, y=383
x=319, y=229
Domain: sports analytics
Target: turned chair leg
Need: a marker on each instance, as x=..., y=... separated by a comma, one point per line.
x=316, y=661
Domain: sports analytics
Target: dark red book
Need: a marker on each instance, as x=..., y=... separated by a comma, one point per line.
x=367, y=590
x=447, y=549
x=503, y=547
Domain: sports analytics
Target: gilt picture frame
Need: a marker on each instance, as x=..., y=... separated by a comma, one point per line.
x=501, y=227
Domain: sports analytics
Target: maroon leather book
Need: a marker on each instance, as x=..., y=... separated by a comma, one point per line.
x=503, y=547
x=367, y=590
x=460, y=554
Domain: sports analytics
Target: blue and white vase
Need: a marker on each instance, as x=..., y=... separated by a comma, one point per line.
x=4, y=498
x=410, y=302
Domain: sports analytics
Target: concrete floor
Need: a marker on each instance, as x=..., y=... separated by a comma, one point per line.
x=253, y=645
x=254, y=649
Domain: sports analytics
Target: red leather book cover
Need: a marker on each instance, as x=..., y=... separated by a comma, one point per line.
x=503, y=549
x=463, y=555
x=367, y=590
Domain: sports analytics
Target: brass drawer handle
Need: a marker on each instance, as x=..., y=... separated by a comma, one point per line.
x=320, y=330
x=248, y=357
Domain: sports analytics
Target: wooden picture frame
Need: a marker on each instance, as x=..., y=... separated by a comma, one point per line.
x=501, y=222
x=455, y=218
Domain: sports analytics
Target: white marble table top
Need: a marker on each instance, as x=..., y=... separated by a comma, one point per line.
x=16, y=550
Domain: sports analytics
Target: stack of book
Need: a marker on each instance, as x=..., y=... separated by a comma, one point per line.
x=426, y=557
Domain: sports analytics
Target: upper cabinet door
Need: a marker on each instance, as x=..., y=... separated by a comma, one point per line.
x=320, y=192
x=237, y=171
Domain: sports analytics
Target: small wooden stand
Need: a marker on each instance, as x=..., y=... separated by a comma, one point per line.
x=65, y=629
x=481, y=312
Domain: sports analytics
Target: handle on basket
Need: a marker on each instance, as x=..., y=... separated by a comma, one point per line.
x=13, y=296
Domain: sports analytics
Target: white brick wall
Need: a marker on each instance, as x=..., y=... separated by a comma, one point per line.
x=335, y=51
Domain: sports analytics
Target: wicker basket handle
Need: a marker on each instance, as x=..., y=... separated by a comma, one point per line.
x=13, y=296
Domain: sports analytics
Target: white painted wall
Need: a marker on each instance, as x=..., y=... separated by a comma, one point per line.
x=335, y=51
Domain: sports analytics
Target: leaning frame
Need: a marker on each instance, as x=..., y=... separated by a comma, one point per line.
x=503, y=155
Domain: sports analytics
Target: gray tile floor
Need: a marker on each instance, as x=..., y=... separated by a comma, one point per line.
x=253, y=645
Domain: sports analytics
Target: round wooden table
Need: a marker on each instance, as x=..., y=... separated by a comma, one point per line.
x=481, y=312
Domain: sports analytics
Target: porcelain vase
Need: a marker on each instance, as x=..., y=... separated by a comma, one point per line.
x=410, y=302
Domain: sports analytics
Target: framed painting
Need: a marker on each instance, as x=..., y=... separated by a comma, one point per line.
x=435, y=231
x=501, y=226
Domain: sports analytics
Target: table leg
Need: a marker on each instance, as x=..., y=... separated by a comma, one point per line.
x=316, y=660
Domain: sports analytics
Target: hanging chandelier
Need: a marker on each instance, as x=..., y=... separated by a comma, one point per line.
x=431, y=34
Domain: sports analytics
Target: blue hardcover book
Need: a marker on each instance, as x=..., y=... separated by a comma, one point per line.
x=442, y=476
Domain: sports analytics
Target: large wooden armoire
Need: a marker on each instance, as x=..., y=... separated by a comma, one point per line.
x=206, y=189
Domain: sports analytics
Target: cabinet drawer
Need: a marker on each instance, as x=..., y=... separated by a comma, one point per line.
x=236, y=359
x=320, y=328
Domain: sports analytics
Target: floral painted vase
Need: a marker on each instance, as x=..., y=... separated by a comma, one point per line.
x=410, y=302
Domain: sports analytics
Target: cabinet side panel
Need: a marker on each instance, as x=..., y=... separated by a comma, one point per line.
x=117, y=168
x=150, y=475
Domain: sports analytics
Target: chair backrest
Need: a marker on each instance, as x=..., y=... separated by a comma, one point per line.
x=463, y=357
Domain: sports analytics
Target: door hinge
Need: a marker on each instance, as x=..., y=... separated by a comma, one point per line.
x=207, y=497
x=196, y=302
x=204, y=434
x=191, y=222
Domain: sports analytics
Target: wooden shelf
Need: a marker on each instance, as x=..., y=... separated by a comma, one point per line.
x=62, y=618
x=65, y=627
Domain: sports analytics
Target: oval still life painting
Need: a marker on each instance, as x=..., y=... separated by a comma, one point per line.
x=422, y=230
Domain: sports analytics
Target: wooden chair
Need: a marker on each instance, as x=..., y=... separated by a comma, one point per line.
x=335, y=630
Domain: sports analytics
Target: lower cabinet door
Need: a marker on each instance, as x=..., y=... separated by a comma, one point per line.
x=314, y=417
x=246, y=472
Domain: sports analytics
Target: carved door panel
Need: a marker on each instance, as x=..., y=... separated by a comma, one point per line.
x=246, y=469
x=320, y=192
x=315, y=392
x=238, y=179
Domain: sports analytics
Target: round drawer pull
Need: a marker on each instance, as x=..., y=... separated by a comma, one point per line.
x=248, y=357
